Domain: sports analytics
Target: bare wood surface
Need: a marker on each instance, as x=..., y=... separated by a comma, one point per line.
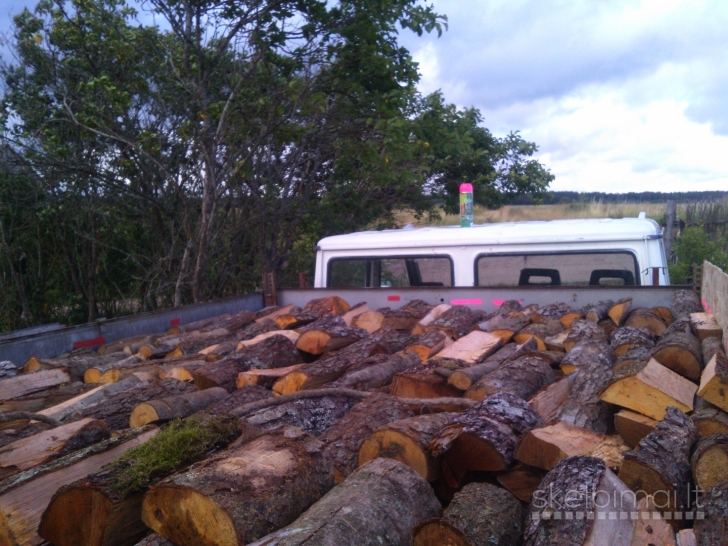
x=633, y=426
x=472, y=347
x=619, y=311
x=644, y=318
x=21, y=385
x=456, y=321
x=682, y=353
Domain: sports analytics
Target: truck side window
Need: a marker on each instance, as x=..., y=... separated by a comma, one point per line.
x=558, y=268
x=390, y=272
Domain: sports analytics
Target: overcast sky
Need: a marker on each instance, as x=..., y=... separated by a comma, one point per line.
x=619, y=95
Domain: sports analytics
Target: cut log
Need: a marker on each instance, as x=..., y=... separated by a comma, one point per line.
x=644, y=318
x=564, y=511
x=619, y=311
x=376, y=371
x=50, y=444
x=711, y=523
x=709, y=419
x=429, y=318
x=428, y=344
x=272, y=313
x=480, y=514
x=633, y=426
x=681, y=353
x=711, y=346
x=714, y=381
x=541, y=330
x=327, y=334
x=427, y=380
x=314, y=416
x=587, y=353
x=544, y=447
x=556, y=343
x=553, y=311
x=273, y=352
x=94, y=373
x=650, y=389
x=75, y=365
x=21, y=385
x=344, y=438
x=505, y=326
x=483, y=438
x=583, y=330
x=522, y=481
x=371, y=321
x=686, y=302
x=582, y=407
x=650, y=528
x=183, y=405
x=264, y=378
x=660, y=464
x=548, y=401
x=356, y=310
x=89, y=398
x=640, y=355
x=290, y=334
x=407, y=441
x=607, y=325
x=704, y=325
x=268, y=481
x=296, y=319
x=709, y=462
x=407, y=316
x=523, y=377
x=180, y=372
x=625, y=338
x=599, y=312
x=118, y=345
x=105, y=507
x=331, y=305
x=472, y=348
x=377, y=505
x=456, y=321
x=240, y=397
x=465, y=378
x=25, y=496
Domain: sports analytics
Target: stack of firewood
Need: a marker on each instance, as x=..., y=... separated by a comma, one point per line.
x=339, y=424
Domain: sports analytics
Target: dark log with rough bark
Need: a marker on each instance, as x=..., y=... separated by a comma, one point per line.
x=238, y=398
x=377, y=505
x=633, y=426
x=704, y=326
x=376, y=371
x=465, y=378
x=619, y=311
x=583, y=330
x=330, y=305
x=681, y=352
x=183, y=405
x=709, y=461
x=480, y=514
x=105, y=507
x=428, y=344
x=405, y=317
x=429, y=318
x=273, y=352
x=625, y=338
x=646, y=319
x=640, y=355
x=709, y=419
x=344, y=437
x=599, y=312
x=427, y=380
x=711, y=525
x=548, y=401
x=327, y=334
x=522, y=481
x=407, y=441
x=296, y=319
x=582, y=407
x=650, y=388
x=314, y=416
x=24, y=384
x=711, y=346
x=272, y=313
x=540, y=331
x=484, y=437
x=268, y=483
x=456, y=321
x=505, y=326
x=566, y=512
x=661, y=463
x=685, y=302
x=523, y=377
x=587, y=353
x=607, y=325
x=553, y=311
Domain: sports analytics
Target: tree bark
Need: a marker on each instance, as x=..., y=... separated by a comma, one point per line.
x=625, y=338
x=540, y=331
x=314, y=416
x=377, y=505
x=241, y=494
x=327, y=334
x=583, y=330
x=681, y=353
x=429, y=318
x=456, y=321
x=405, y=317
x=505, y=326
x=553, y=311
x=709, y=419
x=582, y=407
x=712, y=529
x=428, y=344
x=685, y=302
x=710, y=346
x=330, y=305
x=24, y=384
x=523, y=377
x=183, y=405
x=587, y=353
x=599, y=312
x=375, y=372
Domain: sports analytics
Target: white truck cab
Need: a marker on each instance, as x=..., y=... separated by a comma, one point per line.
x=558, y=252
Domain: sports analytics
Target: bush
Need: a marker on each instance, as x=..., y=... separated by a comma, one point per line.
x=694, y=246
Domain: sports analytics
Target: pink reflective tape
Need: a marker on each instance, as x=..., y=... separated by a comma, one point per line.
x=475, y=301
x=393, y=298
x=174, y=322
x=707, y=307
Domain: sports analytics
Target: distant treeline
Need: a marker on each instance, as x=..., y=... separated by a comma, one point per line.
x=557, y=197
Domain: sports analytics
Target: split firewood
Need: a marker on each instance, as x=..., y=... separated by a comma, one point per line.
x=427, y=380
x=660, y=464
x=428, y=344
x=548, y=401
x=376, y=371
x=272, y=313
x=704, y=325
x=686, y=302
x=709, y=461
x=429, y=318
x=598, y=312
x=540, y=331
x=472, y=347
x=505, y=326
x=633, y=355
x=686, y=537
x=383, y=498
x=456, y=321
x=587, y=353
x=74, y=365
x=405, y=317
x=371, y=320
x=553, y=358
x=553, y=311
x=650, y=528
x=105, y=507
x=633, y=426
x=264, y=378
x=268, y=482
x=480, y=514
x=564, y=510
x=711, y=346
x=681, y=352
x=343, y=439
x=664, y=313
x=183, y=405
x=25, y=496
x=290, y=334
x=545, y=446
x=181, y=371
x=644, y=318
x=484, y=437
x=330, y=305
x=21, y=385
x=607, y=325
x=711, y=525
x=625, y=338
x=296, y=318
x=709, y=419
x=582, y=407
x=50, y=444
x=327, y=334
x=522, y=481
x=583, y=330
x=556, y=343
x=407, y=441
x=356, y=310
x=619, y=311
x=714, y=381
x=273, y=352
x=465, y=378
x=523, y=377
x=650, y=388
x=93, y=374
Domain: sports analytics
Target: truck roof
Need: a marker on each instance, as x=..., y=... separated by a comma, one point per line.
x=552, y=231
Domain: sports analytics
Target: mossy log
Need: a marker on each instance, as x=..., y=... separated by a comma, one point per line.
x=268, y=483
x=625, y=338
x=456, y=321
x=523, y=377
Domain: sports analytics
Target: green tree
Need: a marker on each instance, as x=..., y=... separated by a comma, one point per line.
x=693, y=247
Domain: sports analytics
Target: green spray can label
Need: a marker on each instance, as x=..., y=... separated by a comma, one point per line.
x=466, y=205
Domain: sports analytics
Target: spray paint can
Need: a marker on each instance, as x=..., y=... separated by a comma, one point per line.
x=466, y=205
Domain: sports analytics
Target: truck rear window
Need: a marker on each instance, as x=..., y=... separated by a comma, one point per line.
x=390, y=272
x=615, y=268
